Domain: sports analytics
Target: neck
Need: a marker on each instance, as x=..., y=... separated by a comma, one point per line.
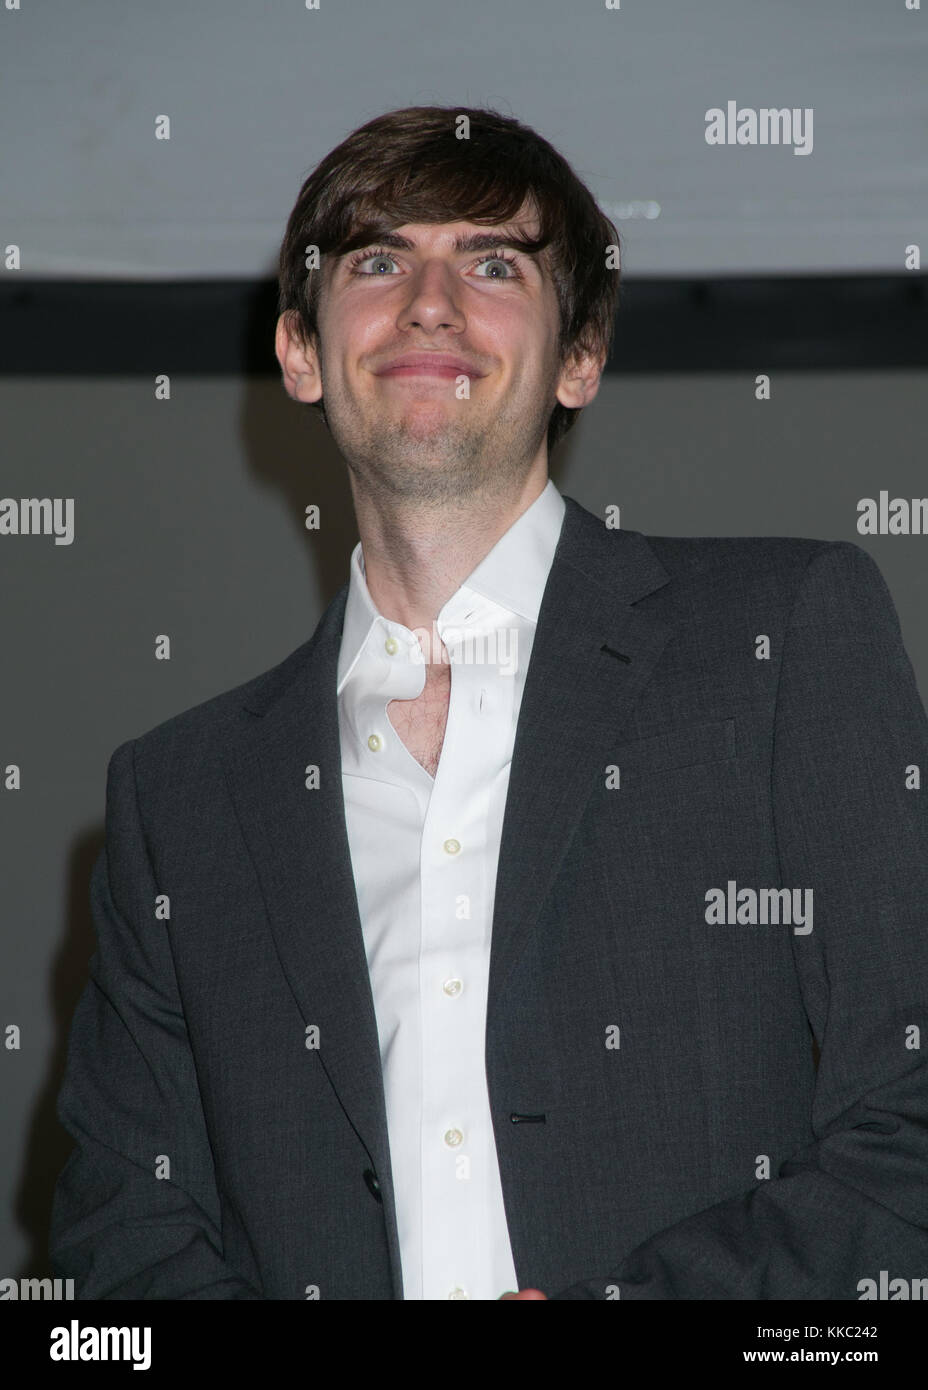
x=416, y=557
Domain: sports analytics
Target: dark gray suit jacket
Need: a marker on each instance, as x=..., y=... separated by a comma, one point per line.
x=642, y=1172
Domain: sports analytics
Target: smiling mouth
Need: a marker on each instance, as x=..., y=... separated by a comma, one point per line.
x=421, y=369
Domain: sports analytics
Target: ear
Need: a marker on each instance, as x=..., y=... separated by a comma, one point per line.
x=299, y=361
x=580, y=377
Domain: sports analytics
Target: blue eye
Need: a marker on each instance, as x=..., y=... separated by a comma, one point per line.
x=506, y=260
x=369, y=256
x=379, y=254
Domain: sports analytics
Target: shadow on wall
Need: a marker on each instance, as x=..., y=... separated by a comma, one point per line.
x=47, y=1144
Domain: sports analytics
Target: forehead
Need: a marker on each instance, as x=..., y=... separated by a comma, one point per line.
x=524, y=223
x=447, y=235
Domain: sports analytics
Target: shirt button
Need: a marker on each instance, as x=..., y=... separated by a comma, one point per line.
x=452, y=846
x=453, y=987
x=458, y=1293
x=375, y=743
x=391, y=645
x=453, y=1137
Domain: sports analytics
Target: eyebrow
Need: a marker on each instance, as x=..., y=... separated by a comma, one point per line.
x=472, y=241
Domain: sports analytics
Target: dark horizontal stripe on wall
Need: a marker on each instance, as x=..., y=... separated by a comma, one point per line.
x=108, y=328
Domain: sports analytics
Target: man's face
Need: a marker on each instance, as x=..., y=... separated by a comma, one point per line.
x=437, y=358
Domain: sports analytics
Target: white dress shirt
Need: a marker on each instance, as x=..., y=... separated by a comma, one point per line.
x=424, y=855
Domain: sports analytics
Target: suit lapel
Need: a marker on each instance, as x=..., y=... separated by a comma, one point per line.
x=574, y=703
x=298, y=840
x=592, y=656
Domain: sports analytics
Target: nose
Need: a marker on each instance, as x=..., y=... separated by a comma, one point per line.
x=432, y=299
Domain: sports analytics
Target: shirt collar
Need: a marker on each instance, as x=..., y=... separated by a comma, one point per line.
x=513, y=574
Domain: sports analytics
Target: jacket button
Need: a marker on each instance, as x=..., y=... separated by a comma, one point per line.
x=373, y=1184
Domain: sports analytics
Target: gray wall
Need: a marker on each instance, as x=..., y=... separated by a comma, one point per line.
x=257, y=91
x=189, y=521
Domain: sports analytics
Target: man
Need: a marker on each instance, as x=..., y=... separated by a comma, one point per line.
x=480, y=945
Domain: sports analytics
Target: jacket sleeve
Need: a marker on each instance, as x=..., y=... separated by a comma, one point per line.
x=121, y=1228
x=849, y=730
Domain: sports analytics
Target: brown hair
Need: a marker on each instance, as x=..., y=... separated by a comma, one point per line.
x=408, y=166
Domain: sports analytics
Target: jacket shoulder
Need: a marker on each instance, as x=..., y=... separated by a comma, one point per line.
x=766, y=565
x=689, y=556
x=217, y=716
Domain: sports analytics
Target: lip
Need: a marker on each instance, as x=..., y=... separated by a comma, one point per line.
x=441, y=364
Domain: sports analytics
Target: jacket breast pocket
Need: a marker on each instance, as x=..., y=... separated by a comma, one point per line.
x=676, y=748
